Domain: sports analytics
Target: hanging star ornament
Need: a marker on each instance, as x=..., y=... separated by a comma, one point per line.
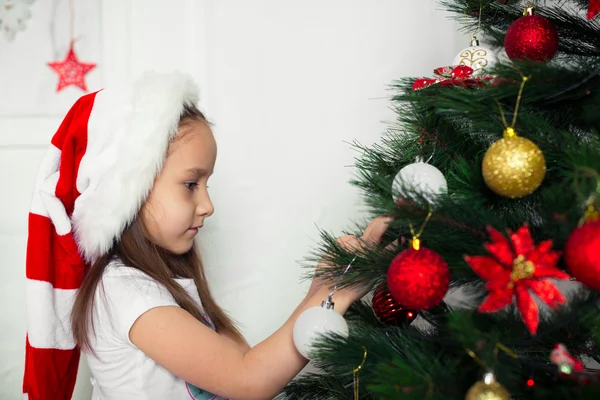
x=71, y=71
x=513, y=269
x=593, y=9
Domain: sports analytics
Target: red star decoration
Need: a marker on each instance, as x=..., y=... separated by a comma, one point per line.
x=71, y=71
x=513, y=269
x=593, y=9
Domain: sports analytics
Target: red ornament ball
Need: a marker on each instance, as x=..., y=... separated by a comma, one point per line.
x=582, y=254
x=389, y=311
x=418, y=279
x=531, y=38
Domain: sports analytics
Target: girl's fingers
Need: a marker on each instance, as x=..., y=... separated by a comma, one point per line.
x=376, y=229
x=372, y=235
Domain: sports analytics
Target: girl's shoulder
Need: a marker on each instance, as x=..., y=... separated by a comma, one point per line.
x=119, y=273
x=125, y=293
x=124, y=283
x=118, y=269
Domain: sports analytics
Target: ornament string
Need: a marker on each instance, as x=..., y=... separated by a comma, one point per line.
x=519, y=97
x=590, y=172
x=476, y=35
x=509, y=129
x=72, y=38
x=498, y=347
x=474, y=356
x=591, y=213
x=71, y=21
x=355, y=373
x=420, y=158
x=330, y=296
x=416, y=242
x=591, y=203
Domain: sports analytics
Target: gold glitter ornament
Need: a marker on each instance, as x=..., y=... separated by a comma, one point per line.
x=487, y=389
x=513, y=166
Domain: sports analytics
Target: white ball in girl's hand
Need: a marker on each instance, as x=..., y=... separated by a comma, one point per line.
x=315, y=322
x=419, y=177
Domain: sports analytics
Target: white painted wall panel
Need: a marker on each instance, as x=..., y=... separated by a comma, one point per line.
x=286, y=83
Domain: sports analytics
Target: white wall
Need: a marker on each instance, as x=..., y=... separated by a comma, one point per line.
x=286, y=83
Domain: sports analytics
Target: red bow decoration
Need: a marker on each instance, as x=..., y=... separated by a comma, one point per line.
x=513, y=269
x=570, y=367
x=565, y=362
x=593, y=9
x=460, y=75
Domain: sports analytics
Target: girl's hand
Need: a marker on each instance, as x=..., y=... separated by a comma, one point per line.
x=370, y=237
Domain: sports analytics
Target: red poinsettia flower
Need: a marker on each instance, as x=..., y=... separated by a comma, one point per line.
x=517, y=267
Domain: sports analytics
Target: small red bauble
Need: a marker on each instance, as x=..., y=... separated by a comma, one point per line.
x=531, y=38
x=418, y=279
x=582, y=254
x=389, y=311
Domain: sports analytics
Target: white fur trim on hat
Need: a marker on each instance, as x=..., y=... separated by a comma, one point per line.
x=128, y=137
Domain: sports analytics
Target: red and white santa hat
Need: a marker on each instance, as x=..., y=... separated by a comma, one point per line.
x=92, y=181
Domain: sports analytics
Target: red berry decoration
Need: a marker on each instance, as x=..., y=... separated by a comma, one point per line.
x=389, y=311
x=582, y=254
x=531, y=38
x=418, y=279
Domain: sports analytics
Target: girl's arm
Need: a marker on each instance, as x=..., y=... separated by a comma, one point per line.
x=240, y=343
x=190, y=350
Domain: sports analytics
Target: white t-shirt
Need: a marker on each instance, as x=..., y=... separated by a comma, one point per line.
x=121, y=370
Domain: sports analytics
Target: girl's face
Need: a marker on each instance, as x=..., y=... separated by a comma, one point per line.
x=179, y=202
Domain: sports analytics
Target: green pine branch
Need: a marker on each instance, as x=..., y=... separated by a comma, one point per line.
x=451, y=128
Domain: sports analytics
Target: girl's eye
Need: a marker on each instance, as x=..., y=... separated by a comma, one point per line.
x=190, y=185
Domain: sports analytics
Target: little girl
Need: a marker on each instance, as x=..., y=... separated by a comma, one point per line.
x=112, y=266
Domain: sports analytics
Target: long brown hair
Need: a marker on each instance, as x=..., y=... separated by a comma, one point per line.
x=134, y=250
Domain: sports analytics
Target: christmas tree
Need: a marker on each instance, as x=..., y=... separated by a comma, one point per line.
x=492, y=176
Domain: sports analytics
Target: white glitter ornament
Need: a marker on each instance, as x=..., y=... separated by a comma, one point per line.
x=422, y=178
x=315, y=322
x=478, y=57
